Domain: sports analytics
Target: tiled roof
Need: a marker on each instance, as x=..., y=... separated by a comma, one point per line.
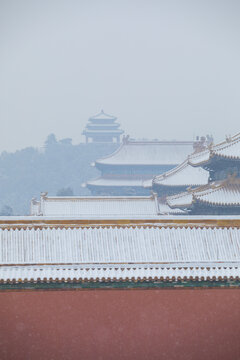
x=183, y=175
x=229, y=149
x=102, y=253
x=149, y=153
x=219, y=193
x=96, y=206
x=118, y=273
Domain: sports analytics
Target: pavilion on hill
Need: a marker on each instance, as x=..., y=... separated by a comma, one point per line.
x=102, y=128
x=134, y=163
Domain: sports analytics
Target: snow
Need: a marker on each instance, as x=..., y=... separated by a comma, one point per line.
x=230, y=148
x=111, y=181
x=119, y=272
x=216, y=193
x=221, y=194
x=119, y=252
x=94, y=207
x=183, y=175
x=149, y=153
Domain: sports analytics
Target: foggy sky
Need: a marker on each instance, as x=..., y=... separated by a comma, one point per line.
x=166, y=69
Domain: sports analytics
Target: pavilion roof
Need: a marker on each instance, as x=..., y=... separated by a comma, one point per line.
x=229, y=149
x=133, y=152
x=103, y=116
x=183, y=175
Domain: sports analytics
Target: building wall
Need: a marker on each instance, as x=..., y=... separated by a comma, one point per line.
x=120, y=324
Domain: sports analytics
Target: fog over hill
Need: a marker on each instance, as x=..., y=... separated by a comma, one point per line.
x=61, y=165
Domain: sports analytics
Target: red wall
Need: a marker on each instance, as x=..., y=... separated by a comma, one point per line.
x=120, y=324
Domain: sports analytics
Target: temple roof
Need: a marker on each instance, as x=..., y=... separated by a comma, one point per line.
x=218, y=193
x=229, y=149
x=102, y=116
x=96, y=206
x=134, y=152
x=118, y=253
x=183, y=175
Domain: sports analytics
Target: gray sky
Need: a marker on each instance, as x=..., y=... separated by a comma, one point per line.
x=166, y=69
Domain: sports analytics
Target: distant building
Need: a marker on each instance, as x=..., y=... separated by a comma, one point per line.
x=102, y=128
x=126, y=171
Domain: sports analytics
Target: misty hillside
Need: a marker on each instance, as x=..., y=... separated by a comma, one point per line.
x=27, y=172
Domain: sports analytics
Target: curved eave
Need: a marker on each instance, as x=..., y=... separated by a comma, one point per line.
x=214, y=203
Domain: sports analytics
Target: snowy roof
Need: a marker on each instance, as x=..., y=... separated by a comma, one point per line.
x=103, y=116
x=230, y=149
x=149, y=153
x=119, y=182
x=115, y=253
x=164, y=209
x=183, y=175
x=97, y=206
x=217, y=193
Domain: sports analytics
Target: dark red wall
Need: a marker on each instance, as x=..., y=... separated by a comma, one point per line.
x=120, y=324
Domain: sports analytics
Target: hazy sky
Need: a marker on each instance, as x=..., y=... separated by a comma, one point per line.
x=166, y=69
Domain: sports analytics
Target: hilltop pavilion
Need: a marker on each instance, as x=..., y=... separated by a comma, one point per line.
x=102, y=128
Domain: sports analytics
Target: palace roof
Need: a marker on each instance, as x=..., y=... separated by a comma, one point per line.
x=228, y=149
x=133, y=152
x=118, y=253
x=183, y=175
x=96, y=206
x=218, y=193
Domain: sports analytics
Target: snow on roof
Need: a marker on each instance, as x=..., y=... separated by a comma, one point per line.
x=118, y=252
x=136, y=272
x=149, y=153
x=230, y=148
x=183, y=175
x=164, y=209
x=218, y=193
x=102, y=115
x=97, y=206
x=181, y=200
x=111, y=181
